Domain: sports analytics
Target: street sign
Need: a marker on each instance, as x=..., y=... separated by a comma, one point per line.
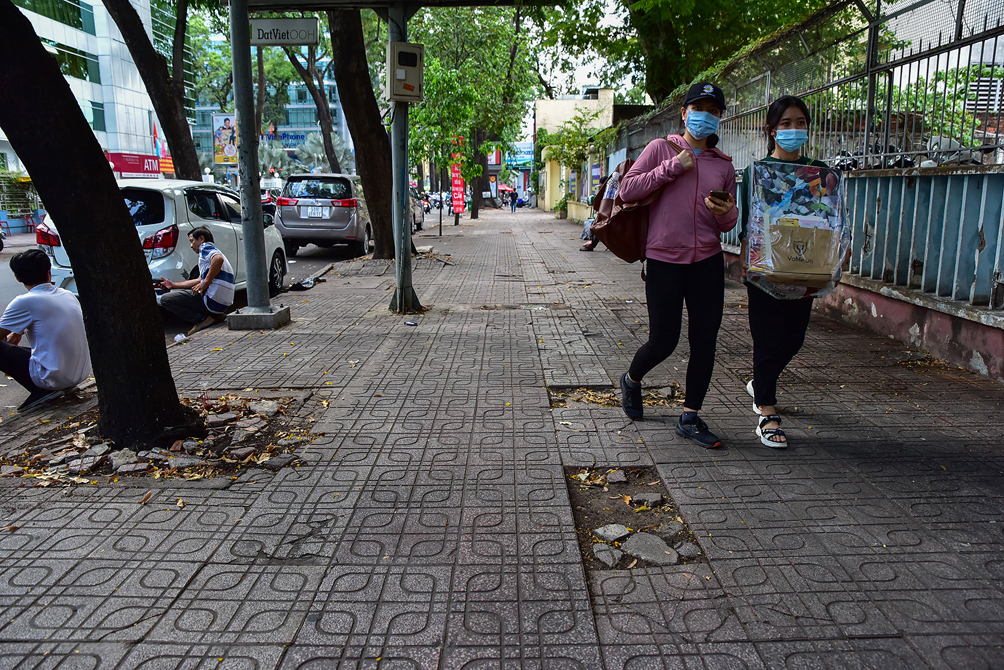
x=285, y=32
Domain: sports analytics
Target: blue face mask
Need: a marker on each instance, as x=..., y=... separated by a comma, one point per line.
x=791, y=140
x=701, y=124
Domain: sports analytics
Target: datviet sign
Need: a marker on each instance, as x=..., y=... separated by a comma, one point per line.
x=285, y=32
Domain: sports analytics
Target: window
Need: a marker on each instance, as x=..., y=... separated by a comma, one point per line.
x=3, y=161
x=146, y=207
x=203, y=205
x=335, y=189
x=79, y=15
x=232, y=206
x=332, y=93
x=301, y=94
x=73, y=62
x=97, y=118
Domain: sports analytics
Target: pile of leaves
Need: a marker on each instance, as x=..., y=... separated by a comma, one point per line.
x=243, y=433
x=668, y=396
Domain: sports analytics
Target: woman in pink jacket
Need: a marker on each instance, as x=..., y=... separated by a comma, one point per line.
x=684, y=252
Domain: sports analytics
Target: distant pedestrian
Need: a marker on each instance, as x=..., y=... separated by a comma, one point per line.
x=684, y=251
x=512, y=200
x=778, y=327
x=204, y=300
x=52, y=320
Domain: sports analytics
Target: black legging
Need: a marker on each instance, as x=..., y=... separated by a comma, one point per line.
x=702, y=285
x=778, y=328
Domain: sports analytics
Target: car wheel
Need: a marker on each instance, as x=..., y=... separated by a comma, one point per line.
x=291, y=247
x=276, y=274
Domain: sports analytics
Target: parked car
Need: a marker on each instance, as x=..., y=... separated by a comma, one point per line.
x=268, y=198
x=417, y=209
x=324, y=209
x=165, y=211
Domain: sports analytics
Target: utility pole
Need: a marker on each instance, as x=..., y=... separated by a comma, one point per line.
x=259, y=314
x=404, y=299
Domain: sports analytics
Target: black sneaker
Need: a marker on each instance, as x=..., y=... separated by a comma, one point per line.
x=697, y=431
x=37, y=398
x=631, y=399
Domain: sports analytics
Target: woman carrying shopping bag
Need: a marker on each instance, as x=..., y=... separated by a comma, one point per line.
x=778, y=326
x=684, y=252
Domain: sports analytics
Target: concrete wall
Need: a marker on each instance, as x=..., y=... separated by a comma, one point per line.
x=974, y=341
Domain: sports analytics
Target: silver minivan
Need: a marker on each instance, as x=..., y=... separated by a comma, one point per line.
x=323, y=209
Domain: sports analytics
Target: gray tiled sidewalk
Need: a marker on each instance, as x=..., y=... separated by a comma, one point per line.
x=430, y=526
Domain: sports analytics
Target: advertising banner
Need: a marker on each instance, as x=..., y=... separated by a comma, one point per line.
x=135, y=165
x=521, y=156
x=225, y=139
x=594, y=178
x=457, y=189
x=493, y=186
x=572, y=182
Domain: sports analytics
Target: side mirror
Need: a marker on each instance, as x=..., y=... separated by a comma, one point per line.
x=267, y=219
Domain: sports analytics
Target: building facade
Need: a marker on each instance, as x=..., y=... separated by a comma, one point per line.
x=102, y=76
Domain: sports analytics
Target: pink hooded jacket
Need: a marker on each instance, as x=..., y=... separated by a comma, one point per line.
x=681, y=229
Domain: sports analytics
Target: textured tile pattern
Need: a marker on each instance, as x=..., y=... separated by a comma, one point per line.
x=430, y=525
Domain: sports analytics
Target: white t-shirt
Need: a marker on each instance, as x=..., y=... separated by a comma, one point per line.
x=54, y=324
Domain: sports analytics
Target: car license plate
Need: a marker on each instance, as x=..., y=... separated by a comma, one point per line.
x=314, y=212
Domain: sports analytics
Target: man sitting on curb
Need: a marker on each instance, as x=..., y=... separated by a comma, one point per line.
x=205, y=300
x=52, y=319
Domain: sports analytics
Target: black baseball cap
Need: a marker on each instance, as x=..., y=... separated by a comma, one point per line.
x=705, y=90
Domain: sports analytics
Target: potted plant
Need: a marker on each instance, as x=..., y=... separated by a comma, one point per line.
x=561, y=207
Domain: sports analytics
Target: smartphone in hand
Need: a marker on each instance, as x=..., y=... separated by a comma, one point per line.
x=720, y=195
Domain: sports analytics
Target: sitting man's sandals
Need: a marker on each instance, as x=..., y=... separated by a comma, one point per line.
x=769, y=436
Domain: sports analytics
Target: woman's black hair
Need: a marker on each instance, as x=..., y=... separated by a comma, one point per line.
x=776, y=111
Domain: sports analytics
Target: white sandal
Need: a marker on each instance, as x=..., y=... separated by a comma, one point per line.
x=749, y=389
x=766, y=433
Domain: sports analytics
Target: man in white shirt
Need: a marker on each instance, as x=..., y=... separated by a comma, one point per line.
x=52, y=320
x=203, y=300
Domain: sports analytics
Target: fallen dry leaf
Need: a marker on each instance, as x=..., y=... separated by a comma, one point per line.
x=177, y=445
x=10, y=528
x=181, y=503
x=632, y=564
x=149, y=494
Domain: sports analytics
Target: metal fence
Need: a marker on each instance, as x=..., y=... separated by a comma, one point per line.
x=906, y=97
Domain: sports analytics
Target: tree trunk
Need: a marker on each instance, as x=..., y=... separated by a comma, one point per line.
x=308, y=75
x=259, y=108
x=480, y=183
x=169, y=107
x=137, y=400
x=362, y=115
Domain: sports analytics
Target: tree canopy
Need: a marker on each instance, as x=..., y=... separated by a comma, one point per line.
x=657, y=45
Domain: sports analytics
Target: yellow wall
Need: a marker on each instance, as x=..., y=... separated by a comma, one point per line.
x=552, y=185
x=550, y=114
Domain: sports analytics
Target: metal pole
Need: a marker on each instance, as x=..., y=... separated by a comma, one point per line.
x=404, y=299
x=255, y=266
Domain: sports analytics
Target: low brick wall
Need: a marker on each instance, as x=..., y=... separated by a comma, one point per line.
x=962, y=335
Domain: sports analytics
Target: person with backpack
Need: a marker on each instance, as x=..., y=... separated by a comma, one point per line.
x=778, y=326
x=695, y=185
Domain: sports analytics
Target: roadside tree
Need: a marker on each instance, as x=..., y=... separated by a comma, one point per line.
x=137, y=399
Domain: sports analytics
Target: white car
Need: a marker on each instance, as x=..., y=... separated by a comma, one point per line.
x=165, y=211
